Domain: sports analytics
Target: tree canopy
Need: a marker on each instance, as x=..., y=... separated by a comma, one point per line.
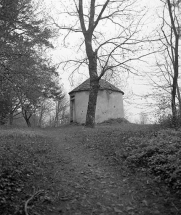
x=25, y=72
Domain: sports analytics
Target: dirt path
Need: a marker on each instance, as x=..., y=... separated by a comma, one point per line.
x=87, y=183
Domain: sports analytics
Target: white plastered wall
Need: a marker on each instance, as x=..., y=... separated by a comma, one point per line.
x=81, y=102
x=109, y=106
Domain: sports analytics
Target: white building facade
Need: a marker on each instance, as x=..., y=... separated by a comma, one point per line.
x=109, y=102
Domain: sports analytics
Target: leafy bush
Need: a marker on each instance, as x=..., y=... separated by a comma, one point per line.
x=167, y=121
x=159, y=154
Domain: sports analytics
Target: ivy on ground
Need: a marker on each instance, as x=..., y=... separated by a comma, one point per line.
x=22, y=161
x=160, y=154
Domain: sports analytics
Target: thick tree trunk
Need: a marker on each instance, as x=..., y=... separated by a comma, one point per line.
x=174, y=110
x=27, y=117
x=88, y=32
x=28, y=122
x=175, y=64
x=175, y=82
x=94, y=86
x=179, y=99
x=91, y=110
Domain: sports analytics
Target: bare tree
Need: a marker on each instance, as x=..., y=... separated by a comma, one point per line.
x=169, y=64
x=165, y=78
x=110, y=33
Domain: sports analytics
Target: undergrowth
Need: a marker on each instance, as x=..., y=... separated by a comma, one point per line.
x=26, y=162
x=23, y=161
x=156, y=151
x=160, y=155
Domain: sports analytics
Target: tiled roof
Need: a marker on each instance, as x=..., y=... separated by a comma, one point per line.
x=104, y=85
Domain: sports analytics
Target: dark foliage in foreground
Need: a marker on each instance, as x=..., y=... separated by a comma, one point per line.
x=167, y=121
x=160, y=155
x=28, y=163
x=23, y=158
x=158, y=152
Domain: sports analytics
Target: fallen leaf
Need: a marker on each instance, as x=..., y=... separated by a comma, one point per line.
x=145, y=202
x=128, y=208
x=117, y=210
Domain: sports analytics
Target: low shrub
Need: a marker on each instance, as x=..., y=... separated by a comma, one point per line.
x=159, y=154
x=115, y=121
x=167, y=121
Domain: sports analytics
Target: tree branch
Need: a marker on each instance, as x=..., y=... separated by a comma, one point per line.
x=81, y=17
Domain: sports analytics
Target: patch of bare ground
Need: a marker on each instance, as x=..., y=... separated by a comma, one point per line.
x=79, y=174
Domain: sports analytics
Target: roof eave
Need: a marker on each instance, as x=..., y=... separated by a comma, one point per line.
x=75, y=91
